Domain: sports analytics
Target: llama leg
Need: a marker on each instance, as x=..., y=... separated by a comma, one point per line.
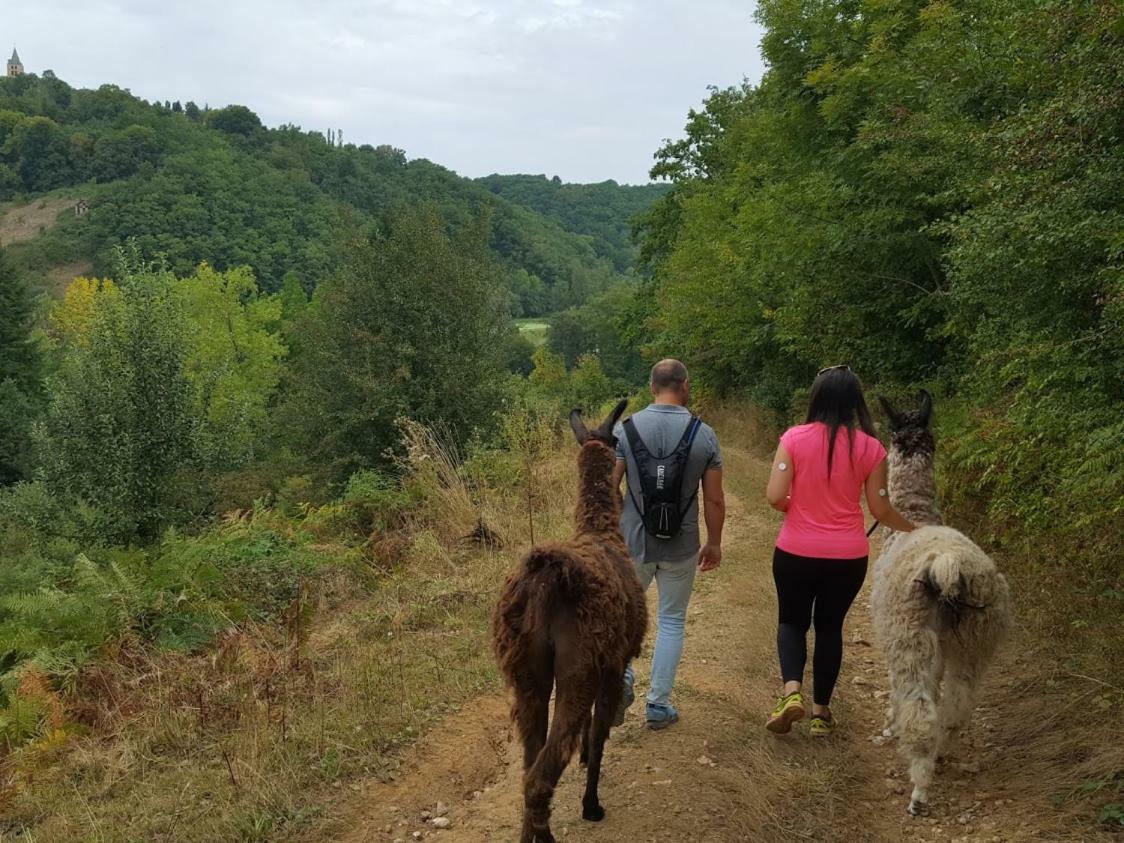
x=532, y=708
x=611, y=689
x=921, y=774
x=571, y=714
x=918, y=733
x=889, y=728
x=587, y=739
x=958, y=699
x=532, y=717
x=916, y=694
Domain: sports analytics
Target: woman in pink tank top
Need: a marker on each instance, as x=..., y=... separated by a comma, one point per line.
x=820, y=472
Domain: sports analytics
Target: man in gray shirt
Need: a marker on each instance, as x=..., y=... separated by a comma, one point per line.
x=671, y=562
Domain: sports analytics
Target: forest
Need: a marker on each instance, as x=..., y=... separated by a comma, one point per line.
x=929, y=192
x=215, y=185
x=290, y=370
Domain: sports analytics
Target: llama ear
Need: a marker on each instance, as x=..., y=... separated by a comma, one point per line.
x=891, y=413
x=611, y=420
x=581, y=432
x=926, y=411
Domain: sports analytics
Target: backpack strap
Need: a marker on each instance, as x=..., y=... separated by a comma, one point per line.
x=685, y=447
x=640, y=452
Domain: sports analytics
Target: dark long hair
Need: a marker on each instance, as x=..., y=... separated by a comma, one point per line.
x=837, y=401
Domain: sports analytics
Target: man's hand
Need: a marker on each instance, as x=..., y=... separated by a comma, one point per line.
x=710, y=557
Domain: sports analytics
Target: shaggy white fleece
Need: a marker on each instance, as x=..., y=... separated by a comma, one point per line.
x=940, y=608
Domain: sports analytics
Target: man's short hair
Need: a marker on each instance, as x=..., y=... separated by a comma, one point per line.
x=668, y=375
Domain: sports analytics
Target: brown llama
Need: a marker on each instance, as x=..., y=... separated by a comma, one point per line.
x=570, y=617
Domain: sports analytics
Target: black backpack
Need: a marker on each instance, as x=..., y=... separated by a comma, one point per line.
x=661, y=481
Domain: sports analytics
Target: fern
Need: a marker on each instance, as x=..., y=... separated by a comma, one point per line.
x=21, y=719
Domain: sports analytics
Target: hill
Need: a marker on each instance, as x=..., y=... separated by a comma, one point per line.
x=195, y=184
x=602, y=210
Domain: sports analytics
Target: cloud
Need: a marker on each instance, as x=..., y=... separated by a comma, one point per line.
x=586, y=89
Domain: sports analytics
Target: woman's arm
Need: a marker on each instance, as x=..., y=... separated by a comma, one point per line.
x=878, y=502
x=780, y=480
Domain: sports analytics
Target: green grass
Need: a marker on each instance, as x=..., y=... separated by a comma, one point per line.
x=534, y=329
x=255, y=735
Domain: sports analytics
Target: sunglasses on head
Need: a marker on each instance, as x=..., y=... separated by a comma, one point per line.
x=842, y=366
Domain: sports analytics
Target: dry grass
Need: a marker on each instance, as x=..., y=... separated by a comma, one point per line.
x=25, y=222
x=267, y=737
x=744, y=426
x=245, y=742
x=254, y=740
x=59, y=277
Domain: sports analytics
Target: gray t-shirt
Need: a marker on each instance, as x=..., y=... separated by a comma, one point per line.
x=661, y=426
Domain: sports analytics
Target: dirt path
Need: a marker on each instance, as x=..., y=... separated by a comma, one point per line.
x=717, y=775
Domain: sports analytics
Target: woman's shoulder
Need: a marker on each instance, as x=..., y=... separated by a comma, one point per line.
x=866, y=438
x=868, y=443
x=801, y=433
x=804, y=429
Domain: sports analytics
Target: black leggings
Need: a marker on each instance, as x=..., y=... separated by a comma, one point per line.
x=809, y=588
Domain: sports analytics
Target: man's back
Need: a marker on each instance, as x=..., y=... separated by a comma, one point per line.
x=661, y=426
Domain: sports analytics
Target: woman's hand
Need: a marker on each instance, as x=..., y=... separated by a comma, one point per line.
x=878, y=502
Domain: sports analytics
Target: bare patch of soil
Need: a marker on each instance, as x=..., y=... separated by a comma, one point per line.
x=25, y=222
x=719, y=776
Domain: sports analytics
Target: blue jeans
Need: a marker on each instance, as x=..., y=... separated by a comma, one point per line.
x=674, y=580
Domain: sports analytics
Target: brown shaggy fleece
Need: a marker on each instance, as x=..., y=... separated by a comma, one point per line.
x=570, y=617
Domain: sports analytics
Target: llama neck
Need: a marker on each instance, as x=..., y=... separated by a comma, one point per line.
x=913, y=486
x=598, y=509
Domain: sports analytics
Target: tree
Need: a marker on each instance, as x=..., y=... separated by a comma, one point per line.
x=41, y=149
x=233, y=362
x=598, y=328
x=121, y=154
x=412, y=326
x=931, y=193
x=235, y=120
x=19, y=376
x=18, y=411
x=294, y=298
x=18, y=356
x=120, y=432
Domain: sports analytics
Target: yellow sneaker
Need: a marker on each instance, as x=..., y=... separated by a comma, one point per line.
x=821, y=725
x=790, y=708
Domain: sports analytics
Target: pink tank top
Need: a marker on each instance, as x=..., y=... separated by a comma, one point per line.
x=825, y=517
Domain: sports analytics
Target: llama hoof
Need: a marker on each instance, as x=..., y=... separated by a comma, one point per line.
x=593, y=813
x=918, y=809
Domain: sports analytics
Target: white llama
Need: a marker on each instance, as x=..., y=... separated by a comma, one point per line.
x=939, y=606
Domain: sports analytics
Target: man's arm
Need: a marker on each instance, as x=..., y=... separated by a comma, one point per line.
x=714, y=512
x=618, y=473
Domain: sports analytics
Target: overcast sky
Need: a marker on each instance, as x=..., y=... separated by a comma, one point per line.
x=585, y=89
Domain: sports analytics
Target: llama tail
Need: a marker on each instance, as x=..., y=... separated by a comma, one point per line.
x=559, y=570
x=550, y=577
x=969, y=593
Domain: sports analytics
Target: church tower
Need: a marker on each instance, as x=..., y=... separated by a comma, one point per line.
x=15, y=66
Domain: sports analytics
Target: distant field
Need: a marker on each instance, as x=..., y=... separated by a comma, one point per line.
x=534, y=329
x=23, y=221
